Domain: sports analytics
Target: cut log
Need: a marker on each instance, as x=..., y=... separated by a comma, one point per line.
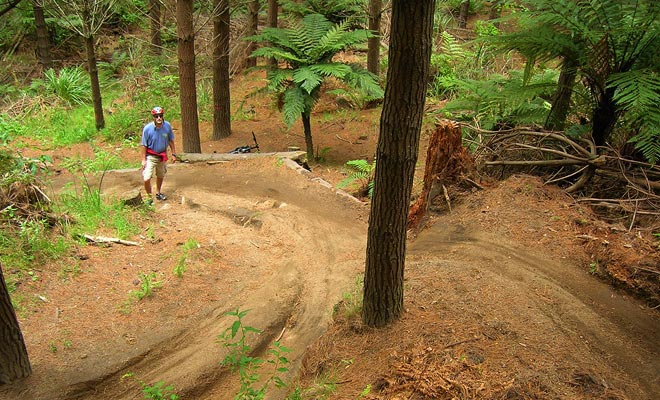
x=214, y=157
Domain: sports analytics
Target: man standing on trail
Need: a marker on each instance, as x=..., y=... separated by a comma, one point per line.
x=156, y=136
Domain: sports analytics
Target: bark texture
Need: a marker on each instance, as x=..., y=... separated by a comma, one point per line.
x=396, y=156
x=272, y=23
x=463, y=11
x=96, y=86
x=156, y=24
x=253, y=21
x=373, y=52
x=221, y=95
x=43, y=40
x=187, y=83
x=14, y=361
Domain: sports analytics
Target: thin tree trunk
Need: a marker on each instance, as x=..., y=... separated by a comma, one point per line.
x=272, y=23
x=96, y=87
x=396, y=157
x=253, y=21
x=604, y=118
x=221, y=100
x=43, y=41
x=156, y=25
x=463, y=14
x=495, y=11
x=14, y=361
x=373, y=52
x=561, y=101
x=307, y=128
x=187, y=83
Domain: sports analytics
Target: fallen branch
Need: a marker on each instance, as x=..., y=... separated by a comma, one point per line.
x=103, y=239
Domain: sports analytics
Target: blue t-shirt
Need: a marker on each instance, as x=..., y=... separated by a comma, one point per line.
x=157, y=139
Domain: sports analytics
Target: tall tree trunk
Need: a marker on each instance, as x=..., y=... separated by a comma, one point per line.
x=396, y=156
x=253, y=21
x=221, y=103
x=14, y=361
x=604, y=117
x=463, y=14
x=43, y=41
x=307, y=128
x=561, y=101
x=495, y=11
x=373, y=52
x=156, y=25
x=272, y=23
x=94, y=77
x=187, y=83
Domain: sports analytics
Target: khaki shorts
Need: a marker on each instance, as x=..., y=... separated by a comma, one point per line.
x=154, y=164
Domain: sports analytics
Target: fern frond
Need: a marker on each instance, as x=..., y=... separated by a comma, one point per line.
x=337, y=70
x=307, y=78
x=365, y=81
x=316, y=26
x=294, y=105
x=278, y=79
x=278, y=54
x=636, y=90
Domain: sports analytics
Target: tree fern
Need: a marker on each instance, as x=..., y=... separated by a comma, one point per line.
x=305, y=51
x=610, y=42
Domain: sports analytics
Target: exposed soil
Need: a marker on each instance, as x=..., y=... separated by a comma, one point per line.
x=516, y=293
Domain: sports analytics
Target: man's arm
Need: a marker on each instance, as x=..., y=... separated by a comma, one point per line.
x=173, y=148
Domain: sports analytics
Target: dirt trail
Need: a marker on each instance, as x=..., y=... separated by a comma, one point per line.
x=552, y=306
x=508, y=318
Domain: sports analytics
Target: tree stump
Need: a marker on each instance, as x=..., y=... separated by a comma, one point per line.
x=446, y=161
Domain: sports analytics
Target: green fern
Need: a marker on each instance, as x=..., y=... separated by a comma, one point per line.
x=613, y=44
x=362, y=171
x=305, y=50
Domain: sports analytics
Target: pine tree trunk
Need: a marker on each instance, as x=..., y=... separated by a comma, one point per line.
x=373, y=52
x=96, y=87
x=253, y=21
x=463, y=14
x=14, y=361
x=396, y=157
x=221, y=94
x=272, y=23
x=156, y=24
x=307, y=127
x=187, y=83
x=43, y=41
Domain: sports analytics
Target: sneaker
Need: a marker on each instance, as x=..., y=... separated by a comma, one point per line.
x=149, y=202
x=160, y=196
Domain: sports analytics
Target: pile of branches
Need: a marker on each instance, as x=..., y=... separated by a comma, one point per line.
x=617, y=186
x=21, y=194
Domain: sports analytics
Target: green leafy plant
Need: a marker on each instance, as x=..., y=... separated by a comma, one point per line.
x=157, y=391
x=148, y=283
x=351, y=302
x=239, y=359
x=180, y=266
x=70, y=84
x=360, y=171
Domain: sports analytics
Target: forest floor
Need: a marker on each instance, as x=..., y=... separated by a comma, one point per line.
x=517, y=292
